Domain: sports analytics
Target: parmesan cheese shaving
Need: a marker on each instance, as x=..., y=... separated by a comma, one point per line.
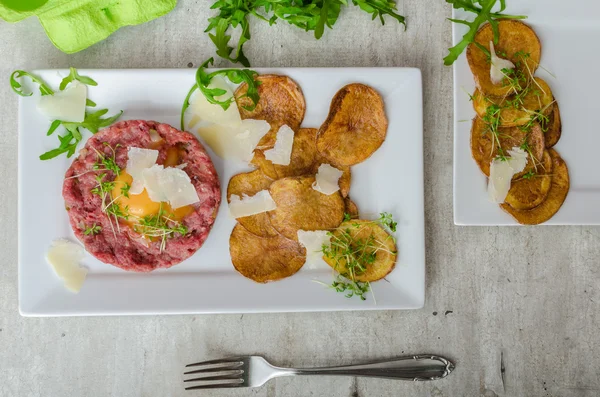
x=137, y=161
x=171, y=185
x=314, y=241
x=282, y=151
x=502, y=172
x=497, y=64
x=67, y=105
x=201, y=110
x=151, y=182
x=251, y=205
x=177, y=187
x=234, y=142
x=64, y=257
x=326, y=180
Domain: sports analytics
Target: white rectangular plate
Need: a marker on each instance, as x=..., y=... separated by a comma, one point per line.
x=207, y=282
x=567, y=31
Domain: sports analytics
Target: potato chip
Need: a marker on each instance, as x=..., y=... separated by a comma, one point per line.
x=556, y=197
x=553, y=128
x=364, y=237
x=351, y=208
x=484, y=147
x=538, y=98
x=251, y=183
x=517, y=42
x=264, y=259
x=281, y=103
x=300, y=207
x=529, y=191
x=355, y=127
x=304, y=154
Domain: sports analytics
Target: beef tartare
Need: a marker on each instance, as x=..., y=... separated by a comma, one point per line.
x=137, y=232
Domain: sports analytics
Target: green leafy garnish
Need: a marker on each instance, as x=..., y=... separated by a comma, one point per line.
x=308, y=15
x=68, y=142
x=125, y=190
x=93, y=121
x=161, y=226
x=355, y=255
x=92, y=230
x=236, y=76
x=17, y=87
x=74, y=76
x=529, y=175
x=483, y=11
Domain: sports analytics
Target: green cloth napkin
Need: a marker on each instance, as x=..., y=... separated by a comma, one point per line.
x=74, y=25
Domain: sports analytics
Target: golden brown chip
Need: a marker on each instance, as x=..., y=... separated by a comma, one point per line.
x=484, y=148
x=300, y=207
x=355, y=127
x=354, y=235
x=553, y=129
x=281, y=103
x=517, y=42
x=556, y=197
x=531, y=190
x=513, y=111
x=304, y=154
x=251, y=183
x=346, y=178
x=264, y=259
x=351, y=208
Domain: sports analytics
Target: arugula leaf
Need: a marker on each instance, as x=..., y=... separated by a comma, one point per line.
x=236, y=76
x=308, y=15
x=17, y=87
x=73, y=75
x=484, y=14
x=68, y=142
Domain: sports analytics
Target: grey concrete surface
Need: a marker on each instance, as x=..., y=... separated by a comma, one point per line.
x=527, y=295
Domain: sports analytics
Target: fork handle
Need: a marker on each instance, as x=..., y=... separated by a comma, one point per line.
x=414, y=368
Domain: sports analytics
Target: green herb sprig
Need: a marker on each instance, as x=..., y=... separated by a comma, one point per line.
x=483, y=11
x=92, y=230
x=236, y=76
x=308, y=15
x=160, y=226
x=356, y=254
x=92, y=122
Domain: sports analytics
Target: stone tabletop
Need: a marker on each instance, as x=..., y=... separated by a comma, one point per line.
x=516, y=308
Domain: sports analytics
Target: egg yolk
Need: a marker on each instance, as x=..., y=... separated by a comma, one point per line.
x=140, y=205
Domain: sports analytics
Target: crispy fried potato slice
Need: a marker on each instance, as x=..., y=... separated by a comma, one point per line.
x=346, y=178
x=515, y=40
x=355, y=127
x=251, y=183
x=351, y=208
x=264, y=259
x=300, y=207
x=484, y=150
x=553, y=129
x=528, y=193
x=281, y=103
x=538, y=98
x=304, y=154
x=556, y=197
x=353, y=234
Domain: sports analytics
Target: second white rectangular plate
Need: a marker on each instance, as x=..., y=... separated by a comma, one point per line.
x=567, y=31
x=391, y=180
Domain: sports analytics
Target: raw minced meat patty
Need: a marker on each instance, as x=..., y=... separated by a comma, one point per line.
x=126, y=248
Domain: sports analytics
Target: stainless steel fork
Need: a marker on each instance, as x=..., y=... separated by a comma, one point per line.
x=254, y=371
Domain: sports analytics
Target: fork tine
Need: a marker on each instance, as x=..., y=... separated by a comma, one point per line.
x=231, y=360
x=217, y=377
x=217, y=369
x=216, y=386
